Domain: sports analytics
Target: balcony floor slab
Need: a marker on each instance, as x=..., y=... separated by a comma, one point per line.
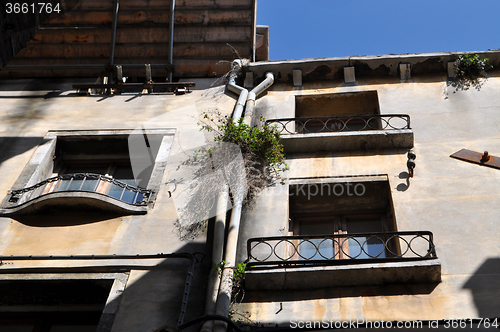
x=348, y=141
x=310, y=277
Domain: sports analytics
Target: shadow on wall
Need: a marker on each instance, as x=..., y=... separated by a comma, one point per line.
x=356, y=153
x=485, y=287
x=37, y=85
x=11, y=146
x=339, y=292
x=151, y=301
x=153, y=298
x=61, y=220
x=404, y=186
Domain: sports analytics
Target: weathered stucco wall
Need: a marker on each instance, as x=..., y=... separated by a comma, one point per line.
x=455, y=200
x=30, y=108
x=28, y=114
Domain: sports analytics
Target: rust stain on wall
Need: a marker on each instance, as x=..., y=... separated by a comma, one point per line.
x=319, y=310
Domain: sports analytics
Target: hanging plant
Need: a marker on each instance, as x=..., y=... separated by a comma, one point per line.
x=260, y=145
x=469, y=70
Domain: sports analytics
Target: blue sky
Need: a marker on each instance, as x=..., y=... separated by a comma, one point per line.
x=302, y=29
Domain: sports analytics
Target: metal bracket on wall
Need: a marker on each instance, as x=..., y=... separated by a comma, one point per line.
x=477, y=158
x=146, y=85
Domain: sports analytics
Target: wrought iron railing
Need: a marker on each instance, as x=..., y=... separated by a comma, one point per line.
x=340, y=249
x=304, y=125
x=81, y=182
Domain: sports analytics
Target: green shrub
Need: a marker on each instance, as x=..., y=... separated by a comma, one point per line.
x=469, y=69
x=260, y=146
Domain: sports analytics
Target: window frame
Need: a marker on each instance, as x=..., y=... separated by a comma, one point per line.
x=102, y=186
x=271, y=266
x=339, y=220
x=340, y=227
x=43, y=316
x=42, y=165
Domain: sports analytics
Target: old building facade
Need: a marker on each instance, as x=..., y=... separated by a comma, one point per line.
x=100, y=227
x=403, y=185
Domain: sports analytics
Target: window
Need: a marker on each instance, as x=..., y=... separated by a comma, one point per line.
x=337, y=210
x=92, y=176
x=359, y=247
x=342, y=232
x=84, y=321
x=342, y=122
x=59, y=305
x=112, y=170
x=337, y=104
x=351, y=111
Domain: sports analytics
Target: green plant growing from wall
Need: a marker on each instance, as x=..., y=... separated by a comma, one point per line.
x=237, y=291
x=239, y=272
x=469, y=70
x=260, y=146
x=245, y=158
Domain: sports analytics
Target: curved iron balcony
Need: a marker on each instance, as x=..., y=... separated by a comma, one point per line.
x=80, y=182
x=305, y=125
x=340, y=249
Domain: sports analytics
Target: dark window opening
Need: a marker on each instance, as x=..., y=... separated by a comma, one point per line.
x=49, y=321
x=52, y=305
x=337, y=104
x=103, y=155
x=336, y=112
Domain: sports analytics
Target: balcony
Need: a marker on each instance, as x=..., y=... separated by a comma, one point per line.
x=82, y=190
x=346, y=132
x=303, y=262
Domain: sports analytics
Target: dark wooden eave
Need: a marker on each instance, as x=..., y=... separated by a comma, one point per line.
x=208, y=35
x=16, y=30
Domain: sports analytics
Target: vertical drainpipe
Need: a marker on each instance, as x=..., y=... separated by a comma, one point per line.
x=219, y=292
x=109, y=78
x=171, y=40
x=226, y=286
x=217, y=252
x=226, y=283
x=113, y=33
x=250, y=106
x=240, y=104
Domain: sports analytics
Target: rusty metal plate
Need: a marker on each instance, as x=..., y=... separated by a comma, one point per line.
x=477, y=158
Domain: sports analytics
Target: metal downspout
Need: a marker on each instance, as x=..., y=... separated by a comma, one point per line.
x=222, y=285
x=240, y=104
x=217, y=253
x=250, y=106
x=226, y=286
x=226, y=282
x=113, y=34
x=171, y=40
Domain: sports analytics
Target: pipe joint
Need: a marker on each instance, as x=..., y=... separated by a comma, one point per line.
x=252, y=95
x=264, y=85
